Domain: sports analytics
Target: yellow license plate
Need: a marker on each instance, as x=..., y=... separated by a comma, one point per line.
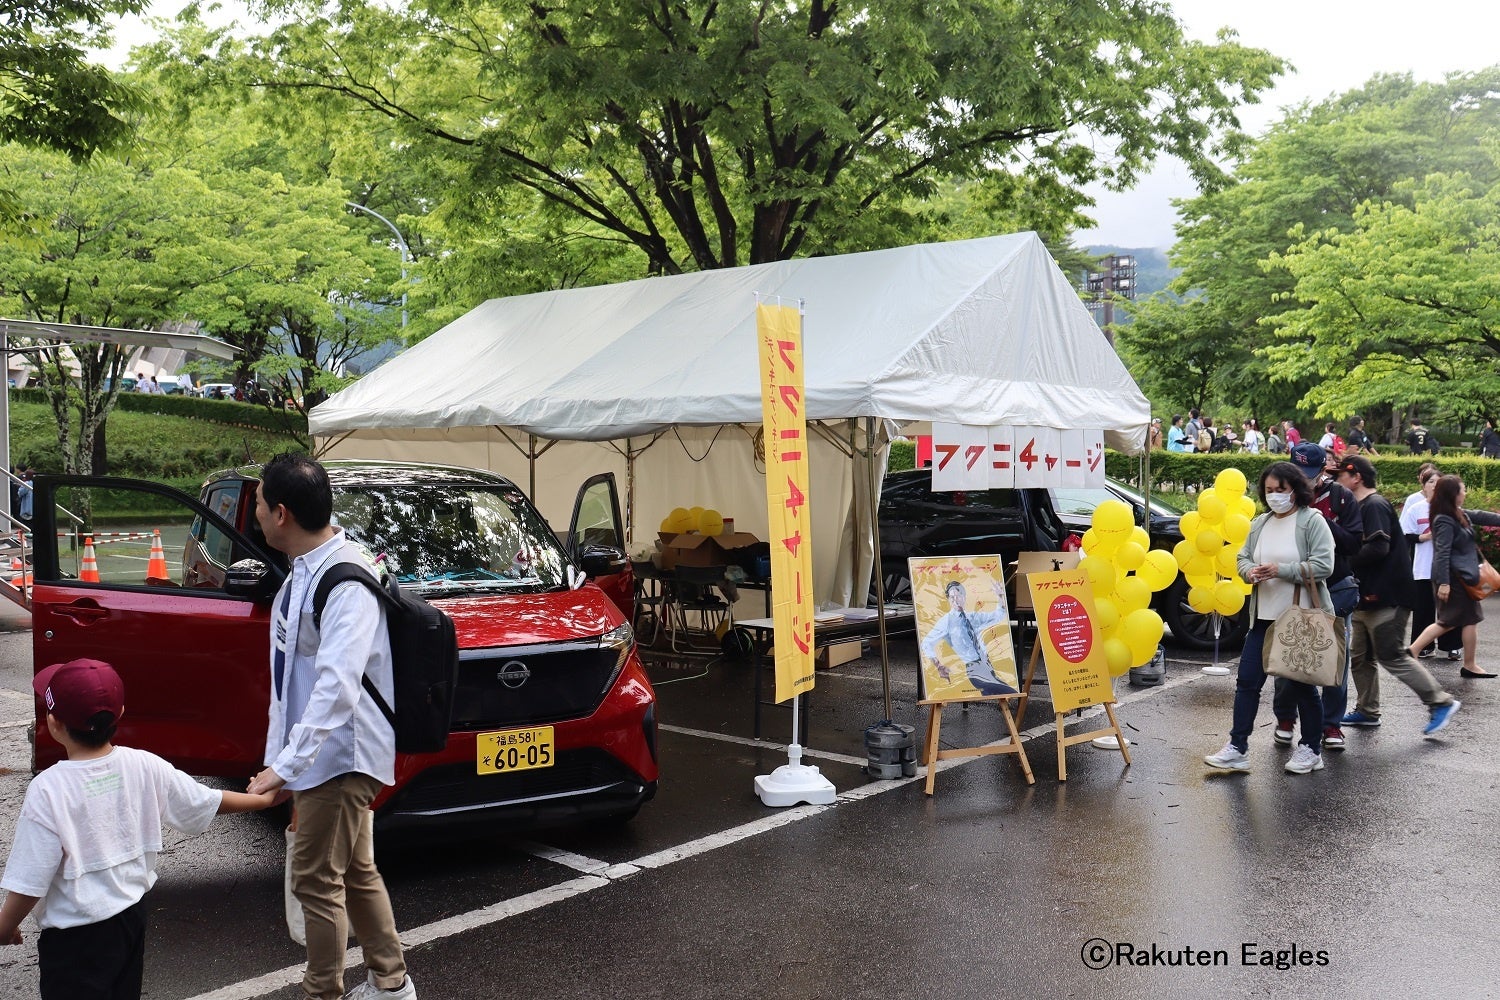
x=514, y=750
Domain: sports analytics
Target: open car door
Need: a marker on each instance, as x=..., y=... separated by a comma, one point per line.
x=194, y=658
x=596, y=541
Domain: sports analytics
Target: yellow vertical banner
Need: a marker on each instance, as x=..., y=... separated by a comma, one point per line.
x=779, y=331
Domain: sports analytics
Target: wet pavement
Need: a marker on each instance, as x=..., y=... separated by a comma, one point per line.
x=1374, y=875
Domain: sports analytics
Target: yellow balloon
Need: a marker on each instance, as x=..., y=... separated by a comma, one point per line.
x=1199, y=566
x=678, y=520
x=1184, y=552
x=1230, y=484
x=1139, y=536
x=1131, y=594
x=1201, y=599
x=1204, y=580
x=695, y=518
x=1101, y=573
x=711, y=523
x=1158, y=570
x=1208, y=541
x=1113, y=516
x=1247, y=506
x=1227, y=598
x=1226, y=563
x=1190, y=523
x=1090, y=541
x=1106, y=616
x=1236, y=528
x=1117, y=655
x=1211, y=507
x=1245, y=585
x=1141, y=630
x=1129, y=556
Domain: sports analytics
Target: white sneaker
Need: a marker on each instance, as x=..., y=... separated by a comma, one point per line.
x=1304, y=759
x=367, y=990
x=1228, y=759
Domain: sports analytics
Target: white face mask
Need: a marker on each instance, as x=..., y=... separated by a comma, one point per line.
x=1280, y=503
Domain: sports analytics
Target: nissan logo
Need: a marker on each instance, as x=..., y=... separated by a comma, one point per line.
x=514, y=674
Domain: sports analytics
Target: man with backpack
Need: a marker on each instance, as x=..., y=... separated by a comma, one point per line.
x=328, y=743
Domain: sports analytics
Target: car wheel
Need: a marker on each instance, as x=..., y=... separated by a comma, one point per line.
x=1195, y=630
x=897, y=589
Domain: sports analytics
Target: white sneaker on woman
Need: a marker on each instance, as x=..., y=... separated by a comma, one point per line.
x=1304, y=759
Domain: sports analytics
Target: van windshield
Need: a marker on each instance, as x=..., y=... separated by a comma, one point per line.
x=453, y=537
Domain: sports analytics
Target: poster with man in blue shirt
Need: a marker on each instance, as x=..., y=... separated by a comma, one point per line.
x=966, y=648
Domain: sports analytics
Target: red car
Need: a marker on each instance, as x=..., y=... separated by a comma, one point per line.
x=544, y=664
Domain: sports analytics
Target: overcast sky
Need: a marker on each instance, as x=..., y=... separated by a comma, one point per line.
x=1334, y=46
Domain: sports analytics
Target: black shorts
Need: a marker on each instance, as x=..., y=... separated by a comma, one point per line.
x=102, y=961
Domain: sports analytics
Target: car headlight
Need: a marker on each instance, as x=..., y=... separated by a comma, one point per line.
x=621, y=639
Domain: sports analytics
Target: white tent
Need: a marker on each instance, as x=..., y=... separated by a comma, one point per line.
x=658, y=381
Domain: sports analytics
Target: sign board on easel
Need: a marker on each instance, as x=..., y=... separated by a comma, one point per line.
x=1072, y=650
x=963, y=635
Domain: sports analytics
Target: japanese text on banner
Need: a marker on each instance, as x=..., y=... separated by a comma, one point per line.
x=779, y=331
x=966, y=457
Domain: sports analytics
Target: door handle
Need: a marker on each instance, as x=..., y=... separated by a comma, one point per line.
x=82, y=613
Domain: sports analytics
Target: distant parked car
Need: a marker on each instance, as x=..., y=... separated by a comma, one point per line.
x=216, y=390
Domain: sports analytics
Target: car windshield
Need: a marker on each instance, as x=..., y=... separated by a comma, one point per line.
x=453, y=537
x=1081, y=501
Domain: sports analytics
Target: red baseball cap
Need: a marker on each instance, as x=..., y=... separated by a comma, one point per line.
x=78, y=690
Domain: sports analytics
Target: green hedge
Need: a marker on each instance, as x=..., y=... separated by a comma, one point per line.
x=219, y=411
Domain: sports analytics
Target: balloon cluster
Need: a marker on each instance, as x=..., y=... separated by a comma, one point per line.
x=1212, y=536
x=682, y=519
x=1125, y=571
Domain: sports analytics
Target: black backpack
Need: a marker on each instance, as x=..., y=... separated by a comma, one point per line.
x=424, y=659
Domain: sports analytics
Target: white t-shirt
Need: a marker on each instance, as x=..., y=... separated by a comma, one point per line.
x=1277, y=543
x=1254, y=441
x=1414, y=521
x=1326, y=441
x=90, y=830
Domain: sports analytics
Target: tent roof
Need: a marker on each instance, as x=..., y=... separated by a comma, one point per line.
x=984, y=332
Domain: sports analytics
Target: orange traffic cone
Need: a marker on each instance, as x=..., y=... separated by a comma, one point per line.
x=89, y=573
x=156, y=569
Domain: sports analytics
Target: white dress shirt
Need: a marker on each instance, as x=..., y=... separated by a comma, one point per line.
x=322, y=722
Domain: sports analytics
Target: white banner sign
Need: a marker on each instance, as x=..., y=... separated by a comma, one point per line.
x=965, y=457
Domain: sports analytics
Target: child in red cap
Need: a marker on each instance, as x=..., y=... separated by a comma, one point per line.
x=88, y=835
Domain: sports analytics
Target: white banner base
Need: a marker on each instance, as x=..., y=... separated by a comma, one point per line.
x=793, y=783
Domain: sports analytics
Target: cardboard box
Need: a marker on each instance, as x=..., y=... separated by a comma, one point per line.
x=839, y=653
x=692, y=549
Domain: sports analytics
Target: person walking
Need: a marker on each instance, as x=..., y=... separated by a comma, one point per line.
x=1345, y=520
x=1254, y=441
x=1275, y=443
x=1455, y=561
x=1380, y=625
x=1154, y=435
x=1416, y=526
x=1290, y=542
x=1489, y=441
x=327, y=742
x=1359, y=441
x=1177, y=439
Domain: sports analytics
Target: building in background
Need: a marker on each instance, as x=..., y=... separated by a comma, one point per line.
x=1113, y=280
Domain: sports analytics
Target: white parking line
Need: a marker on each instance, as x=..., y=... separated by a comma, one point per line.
x=841, y=758
x=598, y=874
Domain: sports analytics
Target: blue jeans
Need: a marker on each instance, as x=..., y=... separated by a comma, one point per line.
x=1335, y=699
x=1247, y=687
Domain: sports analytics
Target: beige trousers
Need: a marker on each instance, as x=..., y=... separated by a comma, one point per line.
x=335, y=878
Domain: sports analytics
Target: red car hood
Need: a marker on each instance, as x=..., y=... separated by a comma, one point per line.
x=521, y=619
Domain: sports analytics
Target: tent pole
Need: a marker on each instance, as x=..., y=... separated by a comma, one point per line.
x=531, y=466
x=874, y=482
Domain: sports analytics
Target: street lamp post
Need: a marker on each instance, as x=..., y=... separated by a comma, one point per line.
x=400, y=241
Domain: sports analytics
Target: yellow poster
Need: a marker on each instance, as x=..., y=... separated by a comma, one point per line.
x=1072, y=648
x=779, y=331
x=963, y=627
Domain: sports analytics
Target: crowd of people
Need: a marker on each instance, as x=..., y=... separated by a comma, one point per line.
x=1396, y=581
x=1197, y=433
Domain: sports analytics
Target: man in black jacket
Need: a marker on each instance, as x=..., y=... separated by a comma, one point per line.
x=1380, y=625
x=1342, y=512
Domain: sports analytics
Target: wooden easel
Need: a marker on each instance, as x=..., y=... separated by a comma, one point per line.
x=931, y=754
x=1064, y=741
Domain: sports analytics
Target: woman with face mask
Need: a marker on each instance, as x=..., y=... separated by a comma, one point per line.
x=1290, y=542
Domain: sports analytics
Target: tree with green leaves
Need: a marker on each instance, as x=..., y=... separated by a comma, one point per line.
x=1311, y=173
x=699, y=134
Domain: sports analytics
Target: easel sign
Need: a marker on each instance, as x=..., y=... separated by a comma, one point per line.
x=963, y=638
x=1073, y=652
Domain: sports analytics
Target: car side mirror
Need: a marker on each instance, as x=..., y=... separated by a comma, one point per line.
x=247, y=578
x=602, y=560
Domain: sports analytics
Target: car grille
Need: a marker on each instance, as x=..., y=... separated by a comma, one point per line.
x=457, y=787
x=530, y=685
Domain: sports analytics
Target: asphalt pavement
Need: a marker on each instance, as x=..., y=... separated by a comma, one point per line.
x=1161, y=878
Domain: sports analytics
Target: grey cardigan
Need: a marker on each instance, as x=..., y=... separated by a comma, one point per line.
x=1454, y=548
x=1314, y=545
